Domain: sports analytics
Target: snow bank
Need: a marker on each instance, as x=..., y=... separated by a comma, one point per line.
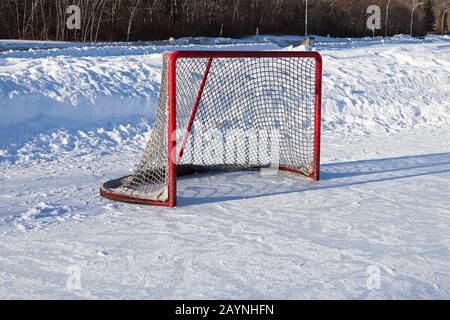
x=387, y=87
x=79, y=89
x=370, y=85
x=85, y=84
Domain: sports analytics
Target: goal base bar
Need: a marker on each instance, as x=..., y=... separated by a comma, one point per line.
x=107, y=190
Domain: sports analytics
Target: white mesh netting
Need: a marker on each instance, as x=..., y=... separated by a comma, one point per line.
x=253, y=113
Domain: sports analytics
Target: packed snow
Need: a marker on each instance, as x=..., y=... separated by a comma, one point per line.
x=376, y=226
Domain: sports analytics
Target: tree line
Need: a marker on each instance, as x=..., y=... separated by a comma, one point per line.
x=121, y=20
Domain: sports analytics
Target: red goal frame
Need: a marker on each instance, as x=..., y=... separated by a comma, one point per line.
x=174, y=159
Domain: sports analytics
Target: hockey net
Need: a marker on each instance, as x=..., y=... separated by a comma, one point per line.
x=228, y=111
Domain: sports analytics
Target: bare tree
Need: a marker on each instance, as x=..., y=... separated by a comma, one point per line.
x=132, y=15
x=160, y=19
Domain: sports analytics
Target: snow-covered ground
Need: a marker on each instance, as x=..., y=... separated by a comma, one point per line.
x=76, y=115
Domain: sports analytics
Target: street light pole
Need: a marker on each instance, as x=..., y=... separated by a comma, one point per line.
x=443, y=20
x=306, y=19
x=412, y=16
x=387, y=19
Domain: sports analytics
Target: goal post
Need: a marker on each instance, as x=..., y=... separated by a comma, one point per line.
x=228, y=111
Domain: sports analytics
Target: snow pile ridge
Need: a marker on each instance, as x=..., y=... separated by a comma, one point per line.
x=386, y=87
x=369, y=84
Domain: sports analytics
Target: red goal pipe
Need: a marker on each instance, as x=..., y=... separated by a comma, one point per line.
x=172, y=127
x=130, y=199
x=194, y=110
x=317, y=117
x=246, y=54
